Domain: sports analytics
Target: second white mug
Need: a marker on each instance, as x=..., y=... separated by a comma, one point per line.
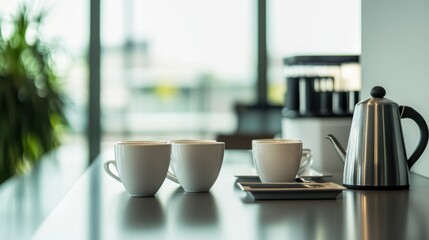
x=196, y=163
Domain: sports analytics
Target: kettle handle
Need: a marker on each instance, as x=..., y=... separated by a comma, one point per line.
x=408, y=112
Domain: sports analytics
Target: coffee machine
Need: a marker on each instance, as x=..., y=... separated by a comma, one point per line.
x=322, y=91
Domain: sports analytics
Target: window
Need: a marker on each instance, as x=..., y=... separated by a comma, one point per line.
x=176, y=67
x=308, y=27
x=66, y=27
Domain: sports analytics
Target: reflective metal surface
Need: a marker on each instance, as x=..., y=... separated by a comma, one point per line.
x=376, y=152
x=375, y=155
x=98, y=207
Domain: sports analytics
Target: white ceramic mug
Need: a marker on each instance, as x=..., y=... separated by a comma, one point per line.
x=142, y=166
x=196, y=163
x=306, y=158
x=171, y=168
x=277, y=160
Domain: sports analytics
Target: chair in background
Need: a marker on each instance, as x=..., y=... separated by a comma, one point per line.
x=253, y=122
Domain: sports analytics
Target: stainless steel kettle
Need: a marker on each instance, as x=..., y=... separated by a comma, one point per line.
x=375, y=156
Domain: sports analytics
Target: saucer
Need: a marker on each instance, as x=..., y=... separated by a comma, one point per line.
x=314, y=174
x=310, y=174
x=291, y=190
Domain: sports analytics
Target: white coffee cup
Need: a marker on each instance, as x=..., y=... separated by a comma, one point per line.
x=306, y=158
x=171, y=168
x=142, y=166
x=277, y=160
x=196, y=163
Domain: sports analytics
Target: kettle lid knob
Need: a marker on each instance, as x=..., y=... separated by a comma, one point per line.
x=378, y=92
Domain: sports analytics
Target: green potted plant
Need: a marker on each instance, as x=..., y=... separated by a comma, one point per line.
x=31, y=101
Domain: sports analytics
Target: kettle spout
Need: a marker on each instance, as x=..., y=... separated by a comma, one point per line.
x=337, y=146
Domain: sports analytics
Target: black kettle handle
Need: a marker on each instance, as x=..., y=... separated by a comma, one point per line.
x=408, y=112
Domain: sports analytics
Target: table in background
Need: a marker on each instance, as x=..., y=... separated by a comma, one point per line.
x=98, y=207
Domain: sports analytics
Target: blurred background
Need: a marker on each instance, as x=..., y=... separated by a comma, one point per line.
x=169, y=69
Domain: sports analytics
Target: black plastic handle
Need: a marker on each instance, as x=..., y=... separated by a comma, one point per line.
x=408, y=112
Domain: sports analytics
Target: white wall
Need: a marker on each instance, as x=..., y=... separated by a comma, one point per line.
x=395, y=55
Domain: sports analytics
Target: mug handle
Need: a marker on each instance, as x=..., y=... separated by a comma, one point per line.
x=107, y=169
x=408, y=112
x=308, y=159
x=171, y=176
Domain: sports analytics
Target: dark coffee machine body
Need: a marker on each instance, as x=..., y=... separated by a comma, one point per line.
x=315, y=86
x=321, y=94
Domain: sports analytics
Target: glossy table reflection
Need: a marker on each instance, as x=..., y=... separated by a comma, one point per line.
x=98, y=207
x=27, y=200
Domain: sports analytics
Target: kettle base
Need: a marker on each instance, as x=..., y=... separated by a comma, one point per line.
x=386, y=188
